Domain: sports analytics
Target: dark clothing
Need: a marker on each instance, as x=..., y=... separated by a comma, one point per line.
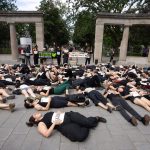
x=94, y=81
x=36, y=58
x=97, y=97
x=124, y=106
x=56, y=102
x=4, y=83
x=87, y=61
x=38, y=82
x=76, y=98
x=65, y=58
x=58, y=52
x=87, y=82
x=75, y=126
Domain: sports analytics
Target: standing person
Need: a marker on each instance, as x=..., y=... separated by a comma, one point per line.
x=27, y=53
x=36, y=55
x=112, y=53
x=58, y=52
x=88, y=56
x=65, y=56
x=145, y=51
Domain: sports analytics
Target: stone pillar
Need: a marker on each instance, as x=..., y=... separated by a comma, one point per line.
x=149, y=55
x=98, y=42
x=14, y=49
x=40, y=35
x=124, y=44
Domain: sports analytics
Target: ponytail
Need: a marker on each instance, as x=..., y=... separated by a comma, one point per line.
x=31, y=122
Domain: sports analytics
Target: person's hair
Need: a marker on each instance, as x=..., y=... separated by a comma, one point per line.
x=27, y=105
x=17, y=84
x=32, y=122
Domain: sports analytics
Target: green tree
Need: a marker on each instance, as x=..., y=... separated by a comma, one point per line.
x=5, y=5
x=84, y=29
x=113, y=34
x=55, y=28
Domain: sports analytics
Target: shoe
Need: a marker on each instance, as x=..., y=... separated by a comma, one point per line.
x=10, y=97
x=133, y=121
x=11, y=106
x=10, y=89
x=100, y=119
x=109, y=109
x=87, y=102
x=146, y=119
x=4, y=100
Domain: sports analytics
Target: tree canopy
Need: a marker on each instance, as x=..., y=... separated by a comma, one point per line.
x=5, y=5
x=55, y=27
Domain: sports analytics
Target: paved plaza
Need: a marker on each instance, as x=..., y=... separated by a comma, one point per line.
x=116, y=134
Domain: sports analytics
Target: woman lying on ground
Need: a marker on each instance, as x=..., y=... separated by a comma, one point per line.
x=60, y=89
x=71, y=124
x=45, y=103
x=135, y=96
x=123, y=106
x=24, y=89
x=98, y=99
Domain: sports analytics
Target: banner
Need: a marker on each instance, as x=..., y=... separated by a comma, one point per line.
x=45, y=54
x=77, y=54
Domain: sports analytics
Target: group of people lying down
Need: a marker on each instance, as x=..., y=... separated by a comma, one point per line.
x=48, y=86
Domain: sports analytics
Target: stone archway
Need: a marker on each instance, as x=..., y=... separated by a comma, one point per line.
x=15, y=17
x=126, y=20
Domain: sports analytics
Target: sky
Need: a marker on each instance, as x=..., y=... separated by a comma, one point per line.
x=27, y=4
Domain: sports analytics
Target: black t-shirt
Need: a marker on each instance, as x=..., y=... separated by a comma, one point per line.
x=47, y=119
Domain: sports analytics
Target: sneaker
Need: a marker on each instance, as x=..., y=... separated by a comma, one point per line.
x=4, y=100
x=10, y=97
x=100, y=119
x=11, y=106
x=109, y=109
x=133, y=121
x=146, y=119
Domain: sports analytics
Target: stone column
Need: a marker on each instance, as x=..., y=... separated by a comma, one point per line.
x=124, y=44
x=98, y=42
x=14, y=49
x=40, y=35
x=149, y=55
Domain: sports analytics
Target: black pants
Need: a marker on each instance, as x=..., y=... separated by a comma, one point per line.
x=36, y=57
x=97, y=97
x=27, y=60
x=76, y=126
x=118, y=101
x=87, y=61
x=65, y=60
x=58, y=60
x=38, y=82
x=111, y=58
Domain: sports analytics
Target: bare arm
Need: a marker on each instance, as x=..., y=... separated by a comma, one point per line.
x=39, y=107
x=42, y=129
x=44, y=94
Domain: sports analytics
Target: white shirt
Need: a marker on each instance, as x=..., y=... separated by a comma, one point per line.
x=57, y=116
x=89, y=90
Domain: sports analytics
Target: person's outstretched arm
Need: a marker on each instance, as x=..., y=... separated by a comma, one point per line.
x=42, y=129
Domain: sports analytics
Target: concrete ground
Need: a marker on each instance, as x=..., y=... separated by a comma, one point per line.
x=116, y=134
